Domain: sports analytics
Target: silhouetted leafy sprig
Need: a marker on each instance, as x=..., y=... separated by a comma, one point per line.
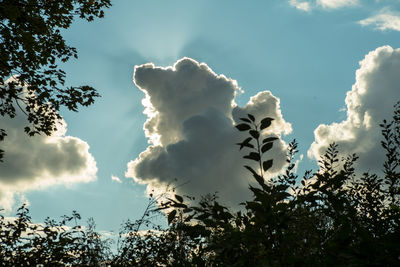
x=258, y=149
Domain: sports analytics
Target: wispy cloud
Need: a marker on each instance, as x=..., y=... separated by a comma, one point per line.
x=301, y=5
x=383, y=21
x=116, y=179
x=333, y=4
x=324, y=4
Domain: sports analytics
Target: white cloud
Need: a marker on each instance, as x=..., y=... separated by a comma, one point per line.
x=190, y=113
x=333, y=4
x=116, y=179
x=383, y=21
x=37, y=162
x=301, y=5
x=371, y=100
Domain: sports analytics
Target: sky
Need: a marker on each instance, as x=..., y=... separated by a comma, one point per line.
x=175, y=76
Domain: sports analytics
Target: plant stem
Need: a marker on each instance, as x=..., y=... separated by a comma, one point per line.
x=259, y=152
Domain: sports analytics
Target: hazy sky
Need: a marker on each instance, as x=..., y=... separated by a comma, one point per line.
x=174, y=77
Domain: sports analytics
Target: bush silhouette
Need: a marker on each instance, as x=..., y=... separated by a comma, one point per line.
x=331, y=217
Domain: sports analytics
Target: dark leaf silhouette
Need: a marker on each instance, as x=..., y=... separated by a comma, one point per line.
x=179, y=198
x=267, y=165
x=251, y=117
x=265, y=123
x=253, y=156
x=171, y=216
x=246, y=120
x=269, y=139
x=254, y=133
x=246, y=143
x=250, y=169
x=259, y=179
x=266, y=147
x=179, y=205
x=243, y=127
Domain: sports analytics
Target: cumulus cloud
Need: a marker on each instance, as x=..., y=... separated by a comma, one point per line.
x=370, y=100
x=37, y=162
x=383, y=21
x=191, y=113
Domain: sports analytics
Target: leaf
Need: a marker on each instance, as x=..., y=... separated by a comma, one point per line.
x=179, y=198
x=270, y=139
x=245, y=143
x=171, y=216
x=248, y=145
x=179, y=205
x=253, y=156
x=251, y=117
x=266, y=147
x=255, y=207
x=254, y=133
x=246, y=120
x=188, y=218
x=250, y=169
x=267, y=164
x=265, y=123
x=3, y=134
x=203, y=216
x=161, y=208
x=187, y=210
x=243, y=127
x=259, y=179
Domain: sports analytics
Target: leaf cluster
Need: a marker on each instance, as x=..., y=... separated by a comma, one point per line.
x=31, y=47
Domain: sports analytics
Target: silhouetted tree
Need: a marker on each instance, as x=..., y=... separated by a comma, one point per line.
x=31, y=47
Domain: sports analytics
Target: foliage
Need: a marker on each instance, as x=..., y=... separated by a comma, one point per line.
x=332, y=217
x=176, y=245
x=53, y=243
x=31, y=47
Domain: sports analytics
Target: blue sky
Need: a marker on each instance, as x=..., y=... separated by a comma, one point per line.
x=306, y=53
